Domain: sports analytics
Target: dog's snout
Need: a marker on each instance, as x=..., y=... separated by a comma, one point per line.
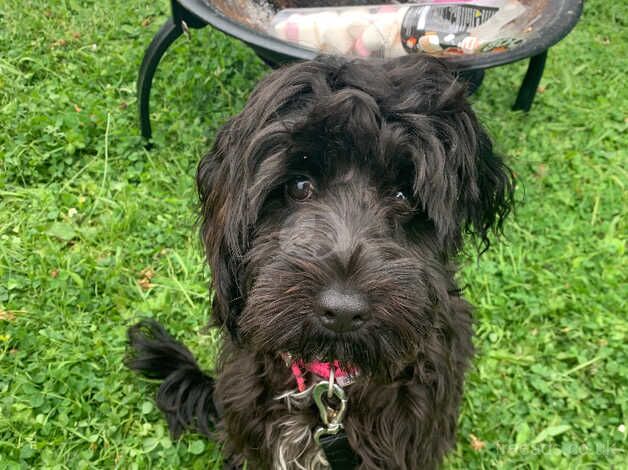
x=342, y=310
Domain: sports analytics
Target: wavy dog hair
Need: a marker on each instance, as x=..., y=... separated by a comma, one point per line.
x=397, y=169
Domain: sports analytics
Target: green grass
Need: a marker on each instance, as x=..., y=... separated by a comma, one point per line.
x=85, y=211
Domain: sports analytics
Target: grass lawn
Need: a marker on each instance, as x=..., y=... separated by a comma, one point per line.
x=96, y=232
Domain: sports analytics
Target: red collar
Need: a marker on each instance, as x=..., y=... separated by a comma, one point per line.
x=342, y=377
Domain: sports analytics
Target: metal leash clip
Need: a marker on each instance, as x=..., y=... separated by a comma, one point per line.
x=331, y=417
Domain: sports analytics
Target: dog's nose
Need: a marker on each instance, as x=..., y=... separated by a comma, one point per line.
x=343, y=310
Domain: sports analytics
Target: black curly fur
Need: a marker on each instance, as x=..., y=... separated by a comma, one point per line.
x=360, y=132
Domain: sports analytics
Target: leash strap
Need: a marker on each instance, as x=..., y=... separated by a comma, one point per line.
x=338, y=452
x=331, y=436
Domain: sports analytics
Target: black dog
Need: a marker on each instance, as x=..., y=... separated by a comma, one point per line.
x=333, y=208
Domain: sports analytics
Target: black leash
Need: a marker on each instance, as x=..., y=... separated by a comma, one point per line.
x=331, y=436
x=338, y=451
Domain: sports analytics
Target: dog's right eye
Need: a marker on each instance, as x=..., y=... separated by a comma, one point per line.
x=300, y=188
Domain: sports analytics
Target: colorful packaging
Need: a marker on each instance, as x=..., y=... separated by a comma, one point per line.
x=435, y=27
x=432, y=28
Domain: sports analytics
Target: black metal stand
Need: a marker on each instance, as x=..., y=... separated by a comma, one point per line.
x=183, y=18
x=168, y=33
x=174, y=27
x=530, y=82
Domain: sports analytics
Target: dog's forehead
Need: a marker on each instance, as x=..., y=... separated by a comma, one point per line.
x=348, y=176
x=328, y=153
x=346, y=167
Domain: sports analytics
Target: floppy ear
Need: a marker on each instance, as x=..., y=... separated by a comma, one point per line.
x=480, y=180
x=219, y=181
x=487, y=209
x=461, y=183
x=230, y=202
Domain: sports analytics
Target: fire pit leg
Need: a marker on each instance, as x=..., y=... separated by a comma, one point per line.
x=530, y=82
x=168, y=33
x=180, y=22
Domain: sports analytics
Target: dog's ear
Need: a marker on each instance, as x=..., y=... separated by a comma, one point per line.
x=486, y=209
x=478, y=185
x=462, y=183
x=219, y=181
x=233, y=181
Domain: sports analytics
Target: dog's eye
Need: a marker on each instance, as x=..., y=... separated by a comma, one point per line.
x=300, y=189
x=400, y=196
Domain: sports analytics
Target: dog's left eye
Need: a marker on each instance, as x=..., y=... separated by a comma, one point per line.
x=300, y=189
x=400, y=196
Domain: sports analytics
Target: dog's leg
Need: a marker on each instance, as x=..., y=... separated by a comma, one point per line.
x=185, y=395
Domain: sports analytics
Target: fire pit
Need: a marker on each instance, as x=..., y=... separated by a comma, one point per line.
x=472, y=35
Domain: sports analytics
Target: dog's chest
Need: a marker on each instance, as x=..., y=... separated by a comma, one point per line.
x=295, y=447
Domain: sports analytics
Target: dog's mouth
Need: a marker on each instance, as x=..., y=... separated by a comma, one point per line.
x=373, y=352
x=308, y=373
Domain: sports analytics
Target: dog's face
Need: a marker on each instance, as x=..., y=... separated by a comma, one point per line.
x=333, y=204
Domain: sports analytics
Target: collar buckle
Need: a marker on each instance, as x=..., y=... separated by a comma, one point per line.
x=331, y=416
